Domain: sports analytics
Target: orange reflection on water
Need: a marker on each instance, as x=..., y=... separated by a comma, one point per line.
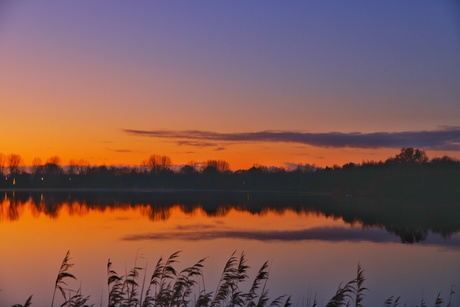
x=73, y=215
x=36, y=235
x=78, y=226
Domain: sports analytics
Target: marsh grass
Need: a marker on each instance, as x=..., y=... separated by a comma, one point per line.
x=26, y=304
x=353, y=291
x=63, y=274
x=167, y=286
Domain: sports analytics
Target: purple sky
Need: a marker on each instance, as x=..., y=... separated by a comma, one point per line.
x=77, y=74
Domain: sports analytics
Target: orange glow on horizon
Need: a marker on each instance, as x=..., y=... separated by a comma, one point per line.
x=239, y=156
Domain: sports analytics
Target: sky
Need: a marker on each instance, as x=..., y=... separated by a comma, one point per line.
x=250, y=82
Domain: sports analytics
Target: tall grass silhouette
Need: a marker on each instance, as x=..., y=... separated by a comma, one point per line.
x=169, y=287
x=62, y=275
x=26, y=304
x=353, y=291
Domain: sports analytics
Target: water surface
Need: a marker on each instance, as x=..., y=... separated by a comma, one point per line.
x=313, y=243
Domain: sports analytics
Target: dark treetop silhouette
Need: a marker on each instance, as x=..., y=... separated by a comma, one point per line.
x=409, y=173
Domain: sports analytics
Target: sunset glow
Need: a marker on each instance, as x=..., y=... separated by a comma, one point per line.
x=316, y=140
x=75, y=77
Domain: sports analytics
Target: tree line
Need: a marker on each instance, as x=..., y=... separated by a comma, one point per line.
x=409, y=172
x=12, y=165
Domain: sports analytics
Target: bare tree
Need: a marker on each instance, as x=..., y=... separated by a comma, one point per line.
x=190, y=168
x=53, y=160
x=52, y=165
x=2, y=163
x=72, y=168
x=36, y=165
x=220, y=166
x=158, y=164
x=14, y=160
x=82, y=166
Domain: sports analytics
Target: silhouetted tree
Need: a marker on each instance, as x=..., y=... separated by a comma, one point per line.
x=255, y=169
x=219, y=166
x=158, y=164
x=36, y=167
x=82, y=166
x=371, y=164
x=14, y=160
x=77, y=167
x=189, y=168
x=52, y=166
x=445, y=161
x=409, y=156
x=2, y=164
x=72, y=167
x=54, y=160
x=299, y=168
x=349, y=166
x=440, y=176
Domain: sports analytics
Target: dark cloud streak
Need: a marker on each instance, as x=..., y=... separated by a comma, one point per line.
x=328, y=234
x=323, y=234
x=196, y=143
x=447, y=138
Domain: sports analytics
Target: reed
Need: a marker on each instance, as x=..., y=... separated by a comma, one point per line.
x=63, y=274
x=26, y=304
x=170, y=287
x=353, y=291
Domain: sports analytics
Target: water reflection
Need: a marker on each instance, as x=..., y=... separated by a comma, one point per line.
x=411, y=220
x=315, y=242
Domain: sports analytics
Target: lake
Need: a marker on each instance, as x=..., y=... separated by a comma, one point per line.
x=408, y=248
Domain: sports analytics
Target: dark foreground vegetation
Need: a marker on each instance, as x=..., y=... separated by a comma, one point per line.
x=168, y=286
x=408, y=173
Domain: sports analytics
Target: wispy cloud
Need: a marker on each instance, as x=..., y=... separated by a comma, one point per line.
x=197, y=143
x=121, y=150
x=330, y=234
x=446, y=138
x=323, y=234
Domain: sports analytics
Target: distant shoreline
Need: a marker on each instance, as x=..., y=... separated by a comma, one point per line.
x=408, y=174
x=161, y=190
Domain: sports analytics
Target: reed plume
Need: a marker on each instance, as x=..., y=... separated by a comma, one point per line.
x=28, y=303
x=63, y=274
x=391, y=302
x=172, y=288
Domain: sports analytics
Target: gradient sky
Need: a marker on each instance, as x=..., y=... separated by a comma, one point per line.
x=268, y=82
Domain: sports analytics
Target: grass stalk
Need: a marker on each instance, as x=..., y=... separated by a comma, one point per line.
x=167, y=287
x=62, y=275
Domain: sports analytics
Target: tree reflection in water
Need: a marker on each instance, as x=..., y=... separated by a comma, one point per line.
x=410, y=219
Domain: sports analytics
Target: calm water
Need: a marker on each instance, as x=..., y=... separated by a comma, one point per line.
x=313, y=243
